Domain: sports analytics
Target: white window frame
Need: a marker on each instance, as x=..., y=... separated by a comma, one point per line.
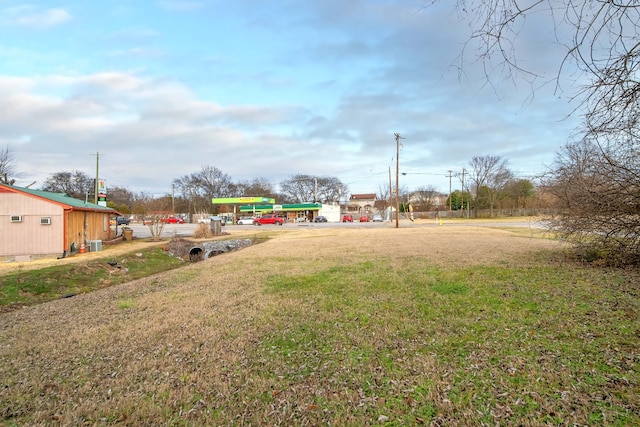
x=45, y=220
x=15, y=218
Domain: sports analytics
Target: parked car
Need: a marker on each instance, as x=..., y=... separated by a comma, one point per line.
x=123, y=221
x=147, y=220
x=364, y=218
x=269, y=219
x=246, y=220
x=205, y=220
x=320, y=219
x=377, y=218
x=347, y=218
x=173, y=220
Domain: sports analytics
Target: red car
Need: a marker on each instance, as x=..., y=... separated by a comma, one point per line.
x=364, y=218
x=173, y=220
x=269, y=219
x=347, y=218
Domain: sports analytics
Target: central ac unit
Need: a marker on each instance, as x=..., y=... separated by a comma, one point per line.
x=95, y=245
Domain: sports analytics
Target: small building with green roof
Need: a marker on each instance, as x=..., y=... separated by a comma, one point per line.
x=36, y=224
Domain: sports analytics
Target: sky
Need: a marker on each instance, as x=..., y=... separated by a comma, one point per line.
x=161, y=88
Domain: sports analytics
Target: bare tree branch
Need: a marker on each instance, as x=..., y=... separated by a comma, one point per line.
x=7, y=166
x=596, y=180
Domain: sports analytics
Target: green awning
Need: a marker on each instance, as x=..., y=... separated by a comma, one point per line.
x=294, y=207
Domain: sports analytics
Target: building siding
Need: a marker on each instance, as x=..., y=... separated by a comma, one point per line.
x=97, y=227
x=29, y=237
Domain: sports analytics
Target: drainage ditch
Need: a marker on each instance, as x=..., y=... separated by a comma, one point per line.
x=190, y=251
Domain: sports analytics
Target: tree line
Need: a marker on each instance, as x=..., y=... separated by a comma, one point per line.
x=191, y=193
x=487, y=184
x=490, y=184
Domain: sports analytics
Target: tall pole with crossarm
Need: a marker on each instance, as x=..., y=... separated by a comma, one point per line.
x=95, y=187
x=397, y=177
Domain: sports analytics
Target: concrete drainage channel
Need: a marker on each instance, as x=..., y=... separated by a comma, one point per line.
x=210, y=249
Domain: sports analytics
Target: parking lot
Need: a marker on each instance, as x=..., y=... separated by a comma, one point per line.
x=187, y=230
x=141, y=231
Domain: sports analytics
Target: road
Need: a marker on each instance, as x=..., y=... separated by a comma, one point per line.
x=187, y=230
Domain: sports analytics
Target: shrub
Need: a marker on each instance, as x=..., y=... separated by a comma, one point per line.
x=202, y=231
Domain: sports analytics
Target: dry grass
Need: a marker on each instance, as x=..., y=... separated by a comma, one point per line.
x=222, y=342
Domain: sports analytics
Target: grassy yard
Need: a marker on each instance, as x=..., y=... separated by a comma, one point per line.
x=433, y=326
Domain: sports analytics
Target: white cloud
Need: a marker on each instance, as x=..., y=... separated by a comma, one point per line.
x=181, y=6
x=141, y=124
x=34, y=17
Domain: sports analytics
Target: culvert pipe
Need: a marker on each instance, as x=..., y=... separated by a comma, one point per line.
x=196, y=254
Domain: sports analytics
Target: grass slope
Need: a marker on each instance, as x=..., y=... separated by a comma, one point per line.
x=45, y=284
x=342, y=327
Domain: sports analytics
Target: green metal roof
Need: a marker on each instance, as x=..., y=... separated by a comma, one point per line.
x=64, y=199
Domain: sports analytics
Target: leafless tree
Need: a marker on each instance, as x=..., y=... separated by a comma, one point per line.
x=202, y=186
x=154, y=211
x=606, y=207
x=597, y=179
x=122, y=199
x=491, y=174
x=383, y=196
x=424, y=198
x=7, y=167
x=257, y=187
x=76, y=184
x=307, y=188
x=599, y=202
x=599, y=37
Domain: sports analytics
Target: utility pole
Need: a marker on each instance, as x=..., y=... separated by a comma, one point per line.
x=390, y=194
x=95, y=187
x=397, y=177
x=450, y=193
x=462, y=193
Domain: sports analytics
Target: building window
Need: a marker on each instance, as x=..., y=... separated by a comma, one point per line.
x=45, y=221
x=16, y=218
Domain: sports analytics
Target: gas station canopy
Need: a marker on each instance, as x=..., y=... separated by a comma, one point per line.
x=241, y=200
